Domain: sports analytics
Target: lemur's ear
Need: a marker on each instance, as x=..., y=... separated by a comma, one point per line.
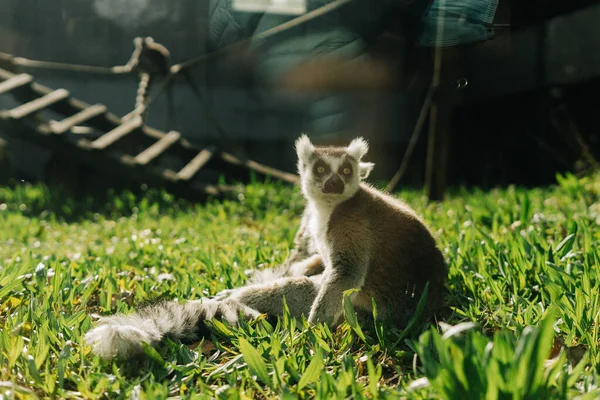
x=357, y=148
x=304, y=149
x=364, y=169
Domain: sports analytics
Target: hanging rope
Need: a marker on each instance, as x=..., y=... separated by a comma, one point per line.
x=151, y=61
x=56, y=66
x=414, y=139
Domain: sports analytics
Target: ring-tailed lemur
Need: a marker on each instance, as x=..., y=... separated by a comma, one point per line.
x=351, y=236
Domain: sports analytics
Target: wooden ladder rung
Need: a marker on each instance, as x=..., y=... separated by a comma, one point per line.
x=75, y=119
x=170, y=175
x=157, y=148
x=110, y=137
x=15, y=82
x=38, y=104
x=263, y=169
x=195, y=164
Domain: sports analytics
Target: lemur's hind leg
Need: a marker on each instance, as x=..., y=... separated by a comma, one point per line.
x=311, y=266
x=267, y=298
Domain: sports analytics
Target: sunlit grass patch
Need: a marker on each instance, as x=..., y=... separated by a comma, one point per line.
x=523, y=274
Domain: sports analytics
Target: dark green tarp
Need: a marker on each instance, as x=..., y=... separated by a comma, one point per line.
x=344, y=33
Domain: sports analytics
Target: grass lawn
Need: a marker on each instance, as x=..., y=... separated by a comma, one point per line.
x=523, y=280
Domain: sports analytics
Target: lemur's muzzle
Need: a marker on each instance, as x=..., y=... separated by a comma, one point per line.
x=335, y=184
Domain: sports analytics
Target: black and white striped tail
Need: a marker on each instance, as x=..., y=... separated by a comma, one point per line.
x=121, y=336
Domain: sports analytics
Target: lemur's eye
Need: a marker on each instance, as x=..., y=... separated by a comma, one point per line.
x=320, y=169
x=347, y=171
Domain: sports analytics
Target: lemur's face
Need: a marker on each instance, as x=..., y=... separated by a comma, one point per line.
x=331, y=174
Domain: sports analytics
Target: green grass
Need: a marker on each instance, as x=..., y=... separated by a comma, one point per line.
x=523, y=278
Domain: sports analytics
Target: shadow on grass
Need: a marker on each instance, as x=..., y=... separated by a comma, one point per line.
x=36, y=199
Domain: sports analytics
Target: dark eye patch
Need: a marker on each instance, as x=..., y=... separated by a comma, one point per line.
x=345, y=169
x=320, y=168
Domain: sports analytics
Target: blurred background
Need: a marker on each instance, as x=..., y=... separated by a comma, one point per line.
x=471, y=92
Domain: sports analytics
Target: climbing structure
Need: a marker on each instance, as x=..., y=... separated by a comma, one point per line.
x=125, y=146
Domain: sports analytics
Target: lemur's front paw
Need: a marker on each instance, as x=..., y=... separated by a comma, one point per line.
x=321, y=313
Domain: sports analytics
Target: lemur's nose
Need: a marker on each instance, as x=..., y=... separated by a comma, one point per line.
x=335, y=184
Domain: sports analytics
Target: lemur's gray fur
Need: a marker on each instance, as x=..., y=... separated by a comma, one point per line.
x=351, y=236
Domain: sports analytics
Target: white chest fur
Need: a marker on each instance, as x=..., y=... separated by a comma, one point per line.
x=319, y=221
